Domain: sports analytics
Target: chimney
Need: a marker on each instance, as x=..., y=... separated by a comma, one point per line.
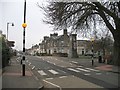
x=46, y=37
x=64, y=31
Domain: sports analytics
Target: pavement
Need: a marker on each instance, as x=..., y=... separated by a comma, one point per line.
x=12, y=78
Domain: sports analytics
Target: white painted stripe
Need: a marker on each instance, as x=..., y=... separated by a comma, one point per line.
x=53, y=84
x=98, y=73
x=33, y=67
x=53, y=71
x=41, y=72
x=83, y=70
x=92, y=69
x=62, y=76
x=48, y=61
x=29, y=63
x=61, y=71
x=74, y=62
x=87, y=74
x=80, y=66
x=73, y=69
x=49, y=78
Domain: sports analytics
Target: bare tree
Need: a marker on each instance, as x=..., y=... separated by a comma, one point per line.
x=81, y=16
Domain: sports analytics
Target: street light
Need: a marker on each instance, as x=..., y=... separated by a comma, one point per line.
x=12, y=24
x=92, y=40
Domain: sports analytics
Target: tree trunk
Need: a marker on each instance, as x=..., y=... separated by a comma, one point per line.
x=116, y=52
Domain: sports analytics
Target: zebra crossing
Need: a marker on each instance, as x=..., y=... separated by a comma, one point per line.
x=81, y=70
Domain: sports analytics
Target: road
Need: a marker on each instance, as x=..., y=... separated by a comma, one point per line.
x=57, y=72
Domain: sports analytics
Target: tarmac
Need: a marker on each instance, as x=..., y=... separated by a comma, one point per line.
x=12, y=78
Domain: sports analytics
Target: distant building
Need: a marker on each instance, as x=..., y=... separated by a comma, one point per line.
x=83, y=47
x=62, y=44
x=55, y=43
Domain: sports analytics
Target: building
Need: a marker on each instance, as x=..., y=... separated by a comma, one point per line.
x=64, y=44
x=55, y=43
x=83, y=47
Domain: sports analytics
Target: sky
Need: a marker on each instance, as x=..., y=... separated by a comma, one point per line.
x=13, y=11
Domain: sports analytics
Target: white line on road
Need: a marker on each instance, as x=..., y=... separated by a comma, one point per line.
x=62, y=76
x=83, y=69
x=80, y=66
x=74, y=62
x=41, y=72
x=49, y=78
x=92, y=69
x=87, y=74
x=29, y=63
x=53, y=84
x=53, y=71
x=73, y=69
x=98, y=73
x=33, y=67
x=61, y=71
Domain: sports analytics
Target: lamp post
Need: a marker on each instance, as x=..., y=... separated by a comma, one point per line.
x=92, y=40
x=12, y=24
x=24, y=25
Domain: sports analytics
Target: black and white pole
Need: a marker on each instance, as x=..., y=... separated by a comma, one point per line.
x=24, y=26
x=92, y=54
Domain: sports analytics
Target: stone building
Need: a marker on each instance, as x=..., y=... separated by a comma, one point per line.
x=83, y=47
x=63, y=44
x=55, y=43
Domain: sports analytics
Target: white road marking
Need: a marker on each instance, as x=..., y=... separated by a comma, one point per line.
x=41, y=72
x=49, y=78
x=61, y=71
x=56, y=59
x=53, y=71
x=73, y=69
x=53, y=84
x=98, y=73
x=33, y=67
x=62, y=76
x=80, y=66
x=87, y=74
x=39, y=68
x=74, y=62
x=83, y=70
x=29, y=63
x=48, y=61
x=92, y=69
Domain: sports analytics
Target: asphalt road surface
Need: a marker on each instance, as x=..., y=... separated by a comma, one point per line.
x=56, y=72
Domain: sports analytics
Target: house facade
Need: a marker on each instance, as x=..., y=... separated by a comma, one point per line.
x=55, y=43
x=62, y=44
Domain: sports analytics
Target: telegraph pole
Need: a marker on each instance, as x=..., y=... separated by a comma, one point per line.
x=24, y=26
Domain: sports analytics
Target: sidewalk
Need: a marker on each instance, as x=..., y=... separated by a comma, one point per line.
x=12, y=78
x=107, y=67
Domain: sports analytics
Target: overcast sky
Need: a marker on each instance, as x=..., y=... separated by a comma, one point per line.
x=12, y=11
